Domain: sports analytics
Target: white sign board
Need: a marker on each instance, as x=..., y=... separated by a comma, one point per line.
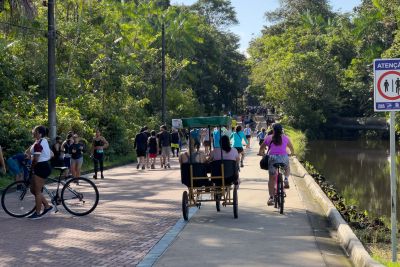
x=387, y=85
x=177, y=123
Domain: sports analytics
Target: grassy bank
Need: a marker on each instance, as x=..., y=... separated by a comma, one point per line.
x=299, y=141
x=87, y=167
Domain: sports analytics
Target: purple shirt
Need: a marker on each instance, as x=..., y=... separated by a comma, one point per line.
x=275, y=149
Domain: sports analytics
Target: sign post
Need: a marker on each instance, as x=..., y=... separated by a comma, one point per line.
x=387, y=98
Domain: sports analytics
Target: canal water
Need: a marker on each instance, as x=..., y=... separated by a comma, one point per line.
x=359, y=169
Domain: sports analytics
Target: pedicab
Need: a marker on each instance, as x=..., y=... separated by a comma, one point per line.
x=214, y=181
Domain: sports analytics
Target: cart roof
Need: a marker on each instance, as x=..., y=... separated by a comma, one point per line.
x=199, y=122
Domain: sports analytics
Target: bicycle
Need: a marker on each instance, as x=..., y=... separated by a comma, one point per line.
x=279, y=197
x=79, y=196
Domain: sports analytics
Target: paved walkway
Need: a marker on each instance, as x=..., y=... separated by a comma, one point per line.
x=136, y=209
x=260, y=236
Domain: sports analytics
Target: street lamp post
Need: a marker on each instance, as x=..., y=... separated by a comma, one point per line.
x=51, y=52
x=164, y=5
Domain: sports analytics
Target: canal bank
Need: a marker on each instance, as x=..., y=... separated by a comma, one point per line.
x=345, y=235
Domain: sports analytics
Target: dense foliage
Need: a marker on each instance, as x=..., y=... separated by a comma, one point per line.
x=109, y=66
x=315, y=65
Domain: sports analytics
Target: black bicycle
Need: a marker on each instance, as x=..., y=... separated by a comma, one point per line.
x=279, y=197
x=79, y=196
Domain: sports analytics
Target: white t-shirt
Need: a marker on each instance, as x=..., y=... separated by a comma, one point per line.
x=247, y=131
x=41, y=147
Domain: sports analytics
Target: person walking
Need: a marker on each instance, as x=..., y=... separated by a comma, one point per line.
x=98, y=145
x=77, y=150
x=175, y=141
x=141, y=148
x=41, y=169
x=57, y=160
x=165, y=142
x=261, y=136
x=237, y=139
x=66, y=152
x=247, y=133
x=277, y=143
x=152, y=143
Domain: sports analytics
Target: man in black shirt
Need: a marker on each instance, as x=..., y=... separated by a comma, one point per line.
x=165, y=143
x=141, y=148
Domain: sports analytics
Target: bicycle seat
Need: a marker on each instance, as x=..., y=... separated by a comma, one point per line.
x=279, y=165
x=61, y=168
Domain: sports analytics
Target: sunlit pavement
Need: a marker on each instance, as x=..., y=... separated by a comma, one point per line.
x=260, y=236
x=136, y=209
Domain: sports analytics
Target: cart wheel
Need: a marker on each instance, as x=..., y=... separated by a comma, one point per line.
x=185, y=206
x=235, y=202
x=218, y=202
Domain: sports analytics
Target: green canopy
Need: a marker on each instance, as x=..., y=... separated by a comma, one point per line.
x=202, y=122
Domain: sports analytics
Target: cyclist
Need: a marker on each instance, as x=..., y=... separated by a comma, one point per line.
x=41, y=153
x=237, y=139
x=98, y=146
x=277, y=143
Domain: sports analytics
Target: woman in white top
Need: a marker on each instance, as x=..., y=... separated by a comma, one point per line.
x=247, y=133
x=41, y=154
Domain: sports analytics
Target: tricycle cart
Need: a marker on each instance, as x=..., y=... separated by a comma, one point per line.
x=217, y=179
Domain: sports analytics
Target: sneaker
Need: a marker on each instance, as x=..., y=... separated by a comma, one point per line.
x=286, y=183
x=270, y=201
x=35, y=216
x=95, y=176
x=143, y=167
x=138, y=166
x=47, y=211
x=165, y=166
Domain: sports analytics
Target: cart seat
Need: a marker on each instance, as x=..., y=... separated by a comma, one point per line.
x=230, y=171
x=199, y=170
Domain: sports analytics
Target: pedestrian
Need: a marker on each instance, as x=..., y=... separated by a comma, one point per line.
x=153, y=148
x=165, y=142
x=141, y=147
x=98, y=145
x=66, y=152
x=2, y=164
x=277, y=143
x=41, y=169
x=261, y=136
x=77, y=149
x=237, y=139
x=57, y=160
x=146, y=131
x=247, y=133
x=206, y=141
x=17, y=166
x=175, y=141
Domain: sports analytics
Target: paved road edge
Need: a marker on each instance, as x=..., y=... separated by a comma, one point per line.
x=358, y=255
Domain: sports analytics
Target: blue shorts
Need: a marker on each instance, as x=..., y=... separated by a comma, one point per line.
x=14, y=167
x=67, y=162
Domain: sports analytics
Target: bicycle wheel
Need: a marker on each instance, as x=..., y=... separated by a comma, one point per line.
x=281, y=194
x=79, y=196
x=235, y=202
x=185, y=205
x=17, y=200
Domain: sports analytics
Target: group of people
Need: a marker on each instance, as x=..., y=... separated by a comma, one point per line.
x=150, y=144
x=42, y=157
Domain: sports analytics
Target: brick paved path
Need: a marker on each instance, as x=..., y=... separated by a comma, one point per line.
x=136, y=209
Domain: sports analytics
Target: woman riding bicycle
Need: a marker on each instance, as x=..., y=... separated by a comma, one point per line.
x=41, y=153
x=277, y=144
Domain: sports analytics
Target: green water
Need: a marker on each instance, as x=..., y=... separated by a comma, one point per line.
x=359, y=169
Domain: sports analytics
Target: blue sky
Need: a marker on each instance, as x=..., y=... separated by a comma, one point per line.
x=250, y=14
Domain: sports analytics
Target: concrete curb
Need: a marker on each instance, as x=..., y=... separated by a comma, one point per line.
x=358, y=255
